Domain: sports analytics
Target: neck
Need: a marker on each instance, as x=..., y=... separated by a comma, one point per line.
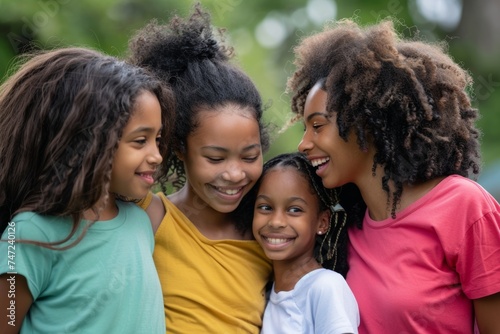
x=379, y=205
x=213, y=224
x=104, y=209
x=287, y=274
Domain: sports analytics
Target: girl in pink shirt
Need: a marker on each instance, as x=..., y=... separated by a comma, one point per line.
x=393, y=117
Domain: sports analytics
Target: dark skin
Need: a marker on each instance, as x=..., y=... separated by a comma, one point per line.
x=487, y=310
x=22, y=299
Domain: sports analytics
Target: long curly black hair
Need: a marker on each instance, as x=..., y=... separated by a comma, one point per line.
x=61, y=118
x=186, y=54
x=406, y=98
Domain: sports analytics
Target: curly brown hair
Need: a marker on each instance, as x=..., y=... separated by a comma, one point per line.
x=61, y=117
x=407, y=98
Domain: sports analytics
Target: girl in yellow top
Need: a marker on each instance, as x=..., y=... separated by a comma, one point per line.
x=213, y=272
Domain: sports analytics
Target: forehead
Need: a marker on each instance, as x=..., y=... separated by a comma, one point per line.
x=146, y=109
x=315, y=102
x=285, y=179
x=204, y=112
x=227, y=126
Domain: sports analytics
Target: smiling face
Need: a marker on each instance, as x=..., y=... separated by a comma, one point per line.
x=338, y=161
x=286, y=216
x=223, y=158
x=137, y=156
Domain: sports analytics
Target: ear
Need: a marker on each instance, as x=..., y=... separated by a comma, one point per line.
x=323, y=222
x=179, y=155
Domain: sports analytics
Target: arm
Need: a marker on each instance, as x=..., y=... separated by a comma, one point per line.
x=15, y=301
x=155, y=209
x=336, y=309
x=487, y=310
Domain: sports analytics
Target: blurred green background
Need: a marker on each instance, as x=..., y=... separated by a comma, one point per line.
x=263, y=34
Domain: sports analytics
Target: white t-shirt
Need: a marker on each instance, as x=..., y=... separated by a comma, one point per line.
x=321, y=302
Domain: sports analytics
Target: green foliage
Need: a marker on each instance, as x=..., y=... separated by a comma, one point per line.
x=108, y=24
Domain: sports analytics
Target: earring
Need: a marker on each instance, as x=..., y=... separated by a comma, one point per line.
x=320, y=233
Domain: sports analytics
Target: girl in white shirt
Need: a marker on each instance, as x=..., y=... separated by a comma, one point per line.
x=299, y=224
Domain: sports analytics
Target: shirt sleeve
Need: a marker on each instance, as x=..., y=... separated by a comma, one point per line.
x=478, y=261
x=146, y=201
x=336, y=309
x=31, y=261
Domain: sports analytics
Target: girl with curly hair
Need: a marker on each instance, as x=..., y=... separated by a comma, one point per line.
x=300, y=224
x=393, y=117
x=213, y=272
x=82, y=132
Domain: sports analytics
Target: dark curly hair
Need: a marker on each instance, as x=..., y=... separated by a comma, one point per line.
x=406, y=98
x=61, y=118
x=186, y=54
x=331, y=248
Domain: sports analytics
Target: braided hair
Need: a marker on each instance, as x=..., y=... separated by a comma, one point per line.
x=330, y=249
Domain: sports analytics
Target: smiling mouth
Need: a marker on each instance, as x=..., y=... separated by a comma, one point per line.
x=229, y=192
x=276, y=241
x=147, y=176
x=319, y=162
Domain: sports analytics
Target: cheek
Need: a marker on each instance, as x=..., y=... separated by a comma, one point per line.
x=254, y=171
x=258, y=223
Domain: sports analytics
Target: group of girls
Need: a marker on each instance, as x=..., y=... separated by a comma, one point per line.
x=373, y=226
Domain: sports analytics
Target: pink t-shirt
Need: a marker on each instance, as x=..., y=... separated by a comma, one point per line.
x=418, y=273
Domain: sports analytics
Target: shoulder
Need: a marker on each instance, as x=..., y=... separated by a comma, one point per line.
x=464, y=195
x=155, y=209
x=323, y=280
x=42, y=228
x=461, y=186
x=330, y=278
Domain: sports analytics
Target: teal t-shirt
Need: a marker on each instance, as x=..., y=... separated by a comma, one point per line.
x=107, y=283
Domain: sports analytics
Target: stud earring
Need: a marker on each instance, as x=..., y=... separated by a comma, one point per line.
x=320, y=233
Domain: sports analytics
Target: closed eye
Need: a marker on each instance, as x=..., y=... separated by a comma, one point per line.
x=251, y=159
x=214, y=160
x=316, y=125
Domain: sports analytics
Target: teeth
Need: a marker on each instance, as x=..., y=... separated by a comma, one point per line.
x=228, y=191
x=318, y=162
x=276, y=241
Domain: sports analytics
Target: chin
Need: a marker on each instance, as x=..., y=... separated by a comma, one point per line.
x=330, y=184
x=225, y=208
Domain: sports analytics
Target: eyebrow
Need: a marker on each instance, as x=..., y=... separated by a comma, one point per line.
x=291, y=199
x=144, y=129
x=223, y=149
x=317, y=113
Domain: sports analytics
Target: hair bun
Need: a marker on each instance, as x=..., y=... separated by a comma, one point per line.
x=170, y=48
x=199, y=45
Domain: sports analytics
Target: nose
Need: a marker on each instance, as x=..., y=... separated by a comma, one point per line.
x=276, y=221
x=234, y=172
x=305, y=143
x=154, y=157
